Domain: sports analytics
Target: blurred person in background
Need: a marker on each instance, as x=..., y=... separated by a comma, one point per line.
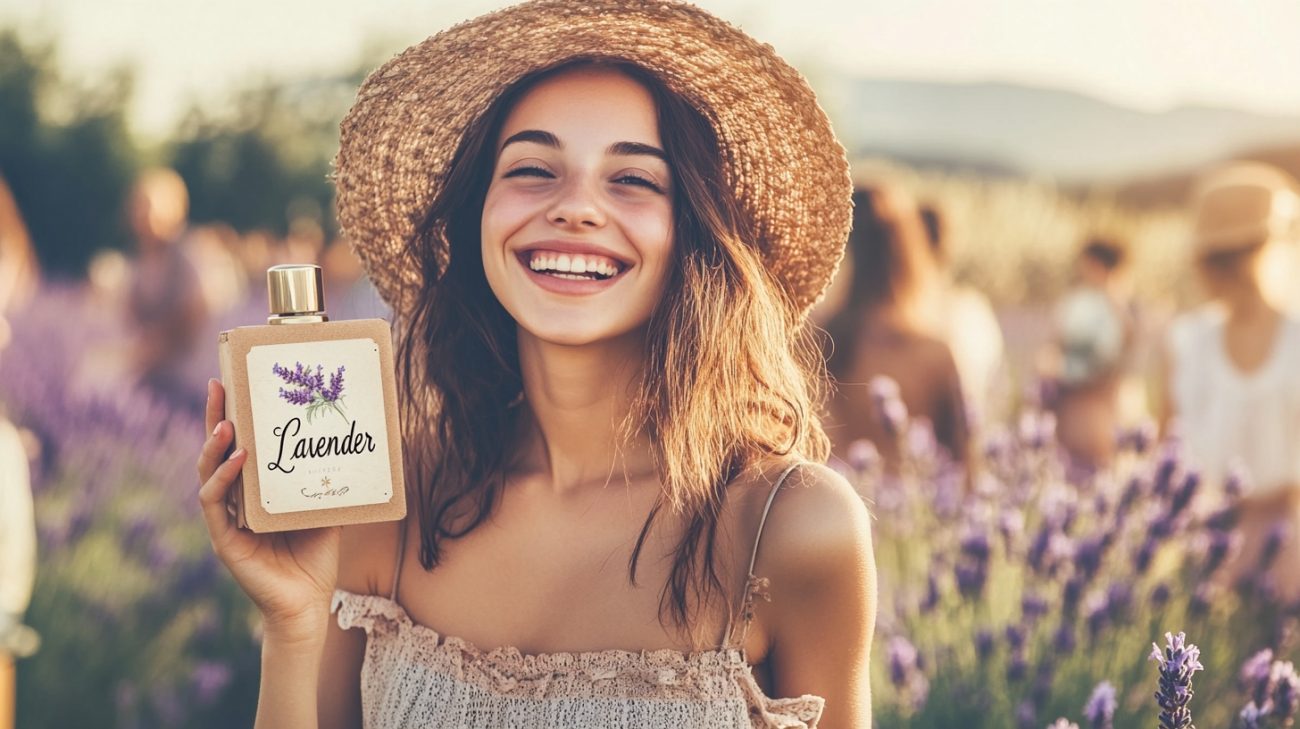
x=883, y=332
x=964, y=318
x=18, y=280
x=166, y=304
x=1233, y=366
x=1094, y=332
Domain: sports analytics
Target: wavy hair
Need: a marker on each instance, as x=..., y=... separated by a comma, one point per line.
x=732, y=373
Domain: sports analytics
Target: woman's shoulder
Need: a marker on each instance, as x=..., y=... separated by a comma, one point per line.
x=368, y=557
x=817, y=527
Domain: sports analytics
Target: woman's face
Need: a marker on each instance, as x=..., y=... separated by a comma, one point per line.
x=577, y=224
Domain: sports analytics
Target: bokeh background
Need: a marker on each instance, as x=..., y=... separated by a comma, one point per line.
x=1035, y=125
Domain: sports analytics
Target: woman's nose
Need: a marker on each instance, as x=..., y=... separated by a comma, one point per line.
x=578, y=206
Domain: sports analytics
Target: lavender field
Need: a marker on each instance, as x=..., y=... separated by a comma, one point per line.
x=1034, y=594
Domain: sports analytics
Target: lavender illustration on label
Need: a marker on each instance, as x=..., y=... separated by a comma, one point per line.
x=309, y=389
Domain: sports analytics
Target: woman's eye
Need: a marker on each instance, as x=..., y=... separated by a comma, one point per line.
x=529, y=171
x=631, y=179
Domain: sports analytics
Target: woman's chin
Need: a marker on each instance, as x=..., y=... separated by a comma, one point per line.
x=573, y=334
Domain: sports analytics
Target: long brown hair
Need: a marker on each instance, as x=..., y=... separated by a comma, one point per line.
x=731, y=373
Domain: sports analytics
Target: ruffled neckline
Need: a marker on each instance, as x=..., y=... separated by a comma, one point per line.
x=717, y=674
x=383, y=607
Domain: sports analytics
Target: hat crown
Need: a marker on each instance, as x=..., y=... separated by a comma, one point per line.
x=1245, y=204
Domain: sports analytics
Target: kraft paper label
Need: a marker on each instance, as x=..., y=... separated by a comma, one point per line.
x=319, y=425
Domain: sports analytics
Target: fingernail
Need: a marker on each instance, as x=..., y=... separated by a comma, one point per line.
x=211, y=381
x=216, y=429
x=238, y=452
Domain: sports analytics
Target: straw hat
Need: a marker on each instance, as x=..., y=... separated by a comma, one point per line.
x=780, y=157
x=1242, y=205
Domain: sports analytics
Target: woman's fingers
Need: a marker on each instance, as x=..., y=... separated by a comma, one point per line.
x=212, y=496
x=216, y=409
x=214, y=450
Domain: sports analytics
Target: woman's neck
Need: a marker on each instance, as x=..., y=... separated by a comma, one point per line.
x=578, y=399
x=1247, y=303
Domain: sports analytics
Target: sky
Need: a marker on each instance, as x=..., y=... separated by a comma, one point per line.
x=1148, y=54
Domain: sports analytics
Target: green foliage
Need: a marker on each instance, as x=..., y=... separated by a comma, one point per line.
x=65, y=152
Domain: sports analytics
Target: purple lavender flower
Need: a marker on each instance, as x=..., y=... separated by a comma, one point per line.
x=1185, y=494
x=976, y=546
x=1147, y=552
x=1088, y=555
x=1100, y=709
x=1063, y=640
x=1160, y=594
x=1026, y=715
x=905, y=670
x=902, y=660
x=1286, y=691
x=931, y=599
x=1032, y=607
x=1119, y=598
x=1176, y=664
x=210, y=680
x=971, y=577
x=1254, y=675
x=889, y=404
x=1166, y=467
x=983, y=644
x=1234, y=485
x=1015, y=637
x=1252, y=716
x=863, y=455
x=335, y=389
x=296, y=397
x=1095, y=612
x=1018, y=666
x=1220, y=545
x=309, y=388
x=1272, y=546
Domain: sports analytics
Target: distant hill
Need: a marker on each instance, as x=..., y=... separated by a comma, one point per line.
x=1004, y=128
x=1173, y=189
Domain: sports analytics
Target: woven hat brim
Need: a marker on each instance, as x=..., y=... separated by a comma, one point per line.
x=780, y=156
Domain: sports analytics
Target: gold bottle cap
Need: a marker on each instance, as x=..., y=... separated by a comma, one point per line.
x=295, y=290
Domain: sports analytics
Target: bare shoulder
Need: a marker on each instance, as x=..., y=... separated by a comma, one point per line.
x=368, y=557
x=818, y=529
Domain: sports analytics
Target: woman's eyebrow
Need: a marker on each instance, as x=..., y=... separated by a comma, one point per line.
x=633, y=148
x=537, y=136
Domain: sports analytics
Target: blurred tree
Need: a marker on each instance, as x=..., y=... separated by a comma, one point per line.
x=267, y=155
x=66, y=152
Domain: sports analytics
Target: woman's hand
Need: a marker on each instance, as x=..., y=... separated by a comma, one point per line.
x=290, y=576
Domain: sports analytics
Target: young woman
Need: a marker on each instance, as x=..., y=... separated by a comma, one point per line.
x=884, y=331
x=600, y=225
x=1233, y=395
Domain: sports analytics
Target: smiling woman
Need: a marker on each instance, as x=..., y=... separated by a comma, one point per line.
x=600, y=246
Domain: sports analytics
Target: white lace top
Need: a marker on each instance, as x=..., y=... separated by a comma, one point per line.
x=414, y=677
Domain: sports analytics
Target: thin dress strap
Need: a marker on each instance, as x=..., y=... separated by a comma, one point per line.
x=401, y=552
x=754, y=585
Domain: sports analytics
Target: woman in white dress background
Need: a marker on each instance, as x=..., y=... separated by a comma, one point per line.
x=1234, y=365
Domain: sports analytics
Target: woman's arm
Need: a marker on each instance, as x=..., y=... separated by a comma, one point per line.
x=816, y=550
x=290, y=577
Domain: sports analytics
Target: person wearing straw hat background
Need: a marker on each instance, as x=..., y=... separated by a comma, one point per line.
x=600, y=225
x=1233, y=391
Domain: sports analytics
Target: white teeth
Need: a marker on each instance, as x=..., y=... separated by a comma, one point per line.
x=568, y=265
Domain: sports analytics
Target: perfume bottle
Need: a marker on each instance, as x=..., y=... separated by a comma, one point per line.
x=314, y=403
